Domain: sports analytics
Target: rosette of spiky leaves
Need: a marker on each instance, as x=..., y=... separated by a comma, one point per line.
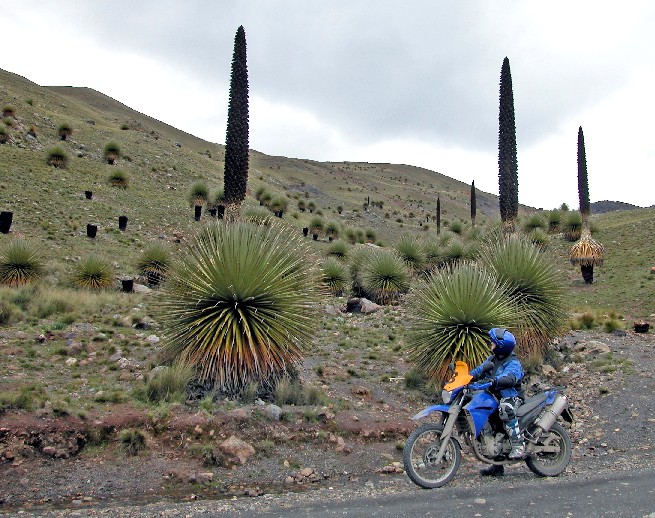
x=357, y=260
x=410, y=251
x=154, y=263
x=384, y=277
x=334, y=275
x=57, y=158
x=240, y=307
x=93, y=272
x=534, y=286
x=316, y=225
x=258, y=215
x=452, y=313
x=198, y=194
x=433, y=255
x=338, y=249
x=533, y=221
x=554, y=221
x=19, y=263
x=118, y=179
x=539, y=237
x=572, y=225
x=112, y=152
x=587, y=251
x=332, y=229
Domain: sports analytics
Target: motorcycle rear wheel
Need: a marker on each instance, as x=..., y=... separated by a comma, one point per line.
x=419, y=456
x=551, y=464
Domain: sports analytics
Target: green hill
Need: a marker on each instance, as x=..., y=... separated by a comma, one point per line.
x=162, y=162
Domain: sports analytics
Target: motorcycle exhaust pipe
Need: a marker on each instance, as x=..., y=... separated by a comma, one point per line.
x=550, y=414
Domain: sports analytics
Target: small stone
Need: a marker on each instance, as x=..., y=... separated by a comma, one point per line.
x=71, y=361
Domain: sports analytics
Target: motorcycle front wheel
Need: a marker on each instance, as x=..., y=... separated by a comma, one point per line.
x=420, y=453
x=554, y=461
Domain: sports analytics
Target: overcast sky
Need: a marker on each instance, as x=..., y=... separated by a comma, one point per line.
x=410, y=82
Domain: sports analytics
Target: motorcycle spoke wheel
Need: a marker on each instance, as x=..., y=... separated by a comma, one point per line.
x=551, y=463
x=420, y=457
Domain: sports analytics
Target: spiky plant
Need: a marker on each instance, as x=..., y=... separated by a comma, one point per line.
x=112, y=152
x=338, y=250
x=4, y=136
x=279, y=203
x=311, y=206
x=198, y=194
x=456, y=227
x=20, y=263
x=452, y=313
x=302, y=206
x=411, y=252
x=370, y=235
x=384, y=277
x=572, y=226
x=539, y=237
x=534, y=286
x=508, y=184
x=554, y=221
x=332, y=229
x=534, y=220
x=455, y=251
x=316, y=225
x=8, y=111
x=433, y=255
x=334, y=276
x=154, y=263
x=240, y=306
x=587, y=252
x=118, y=179
x=218, y=198
x=93, y=272
x=57, y=158
x=258, y=215
x=358, y=259
x=65, y=130
x=235, y=179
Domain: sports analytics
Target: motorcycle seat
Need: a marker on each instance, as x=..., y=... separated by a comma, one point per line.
x=530, y=404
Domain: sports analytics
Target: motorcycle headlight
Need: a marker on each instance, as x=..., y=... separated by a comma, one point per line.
x=446, y=396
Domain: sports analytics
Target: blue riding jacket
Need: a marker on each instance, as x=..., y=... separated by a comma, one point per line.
x=509, y=367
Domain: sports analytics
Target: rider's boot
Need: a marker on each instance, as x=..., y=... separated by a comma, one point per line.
x=515, y=439
x=495, y=470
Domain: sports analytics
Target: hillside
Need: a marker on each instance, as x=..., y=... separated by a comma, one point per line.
x=162, y=163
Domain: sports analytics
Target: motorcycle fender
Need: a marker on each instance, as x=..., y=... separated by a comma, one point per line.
x=481, y=406
x=427, y=411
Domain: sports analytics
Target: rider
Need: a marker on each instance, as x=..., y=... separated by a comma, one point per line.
x=506, y=372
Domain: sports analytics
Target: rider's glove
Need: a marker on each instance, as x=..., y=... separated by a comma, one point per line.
x=493, y=382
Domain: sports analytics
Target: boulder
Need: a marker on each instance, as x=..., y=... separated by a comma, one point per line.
x=236, y=450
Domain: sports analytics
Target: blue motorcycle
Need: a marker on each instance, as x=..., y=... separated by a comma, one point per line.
x=469, y=415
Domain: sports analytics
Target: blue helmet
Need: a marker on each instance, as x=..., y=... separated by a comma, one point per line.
x=504, y=341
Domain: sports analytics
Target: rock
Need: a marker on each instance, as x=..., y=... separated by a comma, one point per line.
x=116, y=356
x=153, y=339
x=71, y=361
x=141, y=288
x=204, y=478
x=239, y=414
x=369, y=307
x=236, y=450
x=74, y=348
x=273, y=412
x=548, y=370
x=592, y=347
x=332, y=310
x=306, y=472
x=361, y=391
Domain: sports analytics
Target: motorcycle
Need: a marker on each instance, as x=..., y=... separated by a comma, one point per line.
x=468, y=415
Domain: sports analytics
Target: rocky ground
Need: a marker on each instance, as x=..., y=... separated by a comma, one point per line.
x=609, y=379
